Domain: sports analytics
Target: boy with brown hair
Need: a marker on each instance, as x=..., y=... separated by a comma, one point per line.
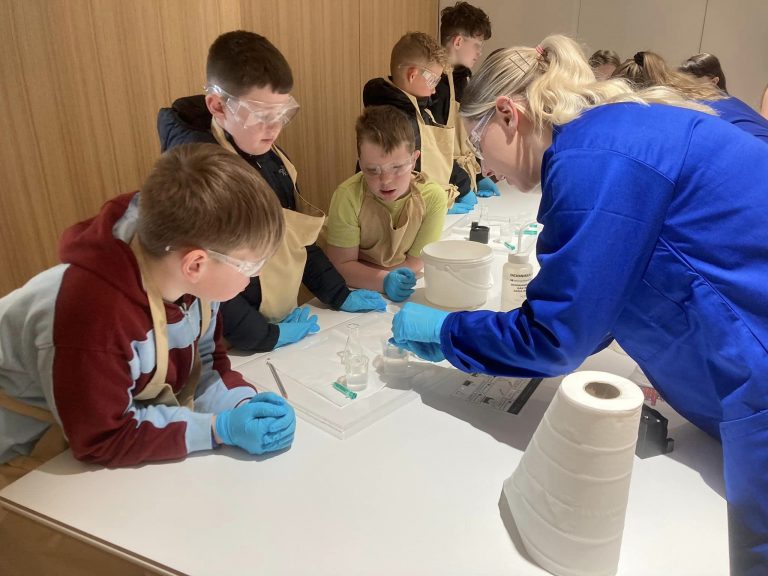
x=382, y=217
x=120, y=345
x=416, y=64
x=463, y=31
x=246, y=105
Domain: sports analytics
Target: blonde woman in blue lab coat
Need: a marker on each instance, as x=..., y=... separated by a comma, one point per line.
x=654, y=234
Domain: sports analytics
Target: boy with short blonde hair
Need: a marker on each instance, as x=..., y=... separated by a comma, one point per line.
x=416, y=64
x=381, y=218
x=120, y=345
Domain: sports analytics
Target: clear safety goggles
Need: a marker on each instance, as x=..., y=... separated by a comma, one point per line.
x=477, y=133
x=430, y=77
x=394, y=169
x=245, y=267
x=254, y=113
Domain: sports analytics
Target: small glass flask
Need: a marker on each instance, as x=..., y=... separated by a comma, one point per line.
x=355, y=360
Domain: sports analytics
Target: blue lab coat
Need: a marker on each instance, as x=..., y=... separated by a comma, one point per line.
x=741, y=115
x=654, y=232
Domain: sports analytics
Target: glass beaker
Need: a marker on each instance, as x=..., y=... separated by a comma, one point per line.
x=355, y=360
x=395, y=359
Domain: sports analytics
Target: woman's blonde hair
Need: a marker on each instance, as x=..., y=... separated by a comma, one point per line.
x=647, y=69
x=557, y=83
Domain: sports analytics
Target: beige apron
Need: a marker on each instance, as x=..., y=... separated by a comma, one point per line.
x=382, y=241
x=462, y=152
x=157, y=391
x=437, y=143
x=281, y=276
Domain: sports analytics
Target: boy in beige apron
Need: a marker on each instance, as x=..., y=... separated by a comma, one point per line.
x=115, y=352
x=382, y=217
x=416, y=65
x=246, y=105
x=463, y=30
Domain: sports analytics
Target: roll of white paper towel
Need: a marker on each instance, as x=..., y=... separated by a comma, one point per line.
x=569, y=493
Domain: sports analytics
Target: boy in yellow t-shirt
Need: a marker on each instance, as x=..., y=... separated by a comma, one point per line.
x=382, y=217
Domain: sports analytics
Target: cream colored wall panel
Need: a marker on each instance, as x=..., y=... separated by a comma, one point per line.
x=669, y=28
x=525, y=23
x=736, y=31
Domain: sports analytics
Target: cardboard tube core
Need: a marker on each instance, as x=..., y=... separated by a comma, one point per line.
x=602, y=390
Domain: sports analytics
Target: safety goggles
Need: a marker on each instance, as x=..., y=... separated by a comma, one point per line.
x=254, y=113
x=394, y=169
x=476, y=135
x=245, y=267
x=430, y=78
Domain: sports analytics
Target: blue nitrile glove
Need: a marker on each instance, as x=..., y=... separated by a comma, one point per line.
x=470, y=199
x=398, y=284
x=464, y=204
x=459, y=208
x=417, y=328
x=487, y=187
x=296, y=326
x=427, y=351
x=262, y=425
x=364, y=301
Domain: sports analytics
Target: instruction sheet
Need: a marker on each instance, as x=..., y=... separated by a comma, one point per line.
x=497, y=392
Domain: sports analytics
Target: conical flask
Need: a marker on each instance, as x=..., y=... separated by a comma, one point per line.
x=355, y=360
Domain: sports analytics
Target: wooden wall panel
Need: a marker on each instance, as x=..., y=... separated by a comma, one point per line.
x=83, y=81
x=58, y=79
x=320, y=40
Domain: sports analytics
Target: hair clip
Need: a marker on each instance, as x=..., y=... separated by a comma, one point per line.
x=639, y=58
x=540, y=49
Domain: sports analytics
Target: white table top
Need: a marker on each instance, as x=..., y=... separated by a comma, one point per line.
x=417, y=492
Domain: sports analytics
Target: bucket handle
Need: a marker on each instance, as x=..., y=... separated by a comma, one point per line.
x=467, y=282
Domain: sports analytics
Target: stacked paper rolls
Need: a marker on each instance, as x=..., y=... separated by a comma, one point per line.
x=569, y=493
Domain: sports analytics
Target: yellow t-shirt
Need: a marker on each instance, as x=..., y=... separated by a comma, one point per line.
x=343, y=215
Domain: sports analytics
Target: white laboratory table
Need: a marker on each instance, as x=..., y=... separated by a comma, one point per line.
x=416, y=493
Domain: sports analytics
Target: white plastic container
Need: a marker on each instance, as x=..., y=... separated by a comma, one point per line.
x=457, y=273
x=515, y=277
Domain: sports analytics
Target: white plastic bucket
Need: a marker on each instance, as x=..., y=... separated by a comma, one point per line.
x=457, y=273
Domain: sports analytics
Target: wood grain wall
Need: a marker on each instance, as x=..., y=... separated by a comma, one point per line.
x=82, y=81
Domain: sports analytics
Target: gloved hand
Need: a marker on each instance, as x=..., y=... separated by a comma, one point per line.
x=464, y=204
x=417, y=328
x=265, y=424
x=398, y=284
x=487, y=187
x=427, y=351
x=364, y=301
x=296, y=326
x=459, y=208
x=470, y=199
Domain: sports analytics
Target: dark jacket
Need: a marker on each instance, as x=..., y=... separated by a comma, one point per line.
x=440, y=102
x=378, y=92
x=188, y=120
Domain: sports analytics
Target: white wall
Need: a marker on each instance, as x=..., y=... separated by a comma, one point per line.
x=733, y=30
